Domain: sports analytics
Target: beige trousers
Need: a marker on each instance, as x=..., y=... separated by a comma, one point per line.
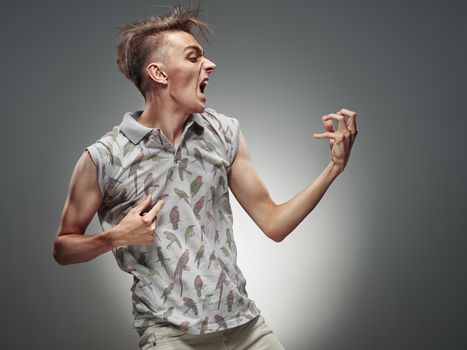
x=253, y=335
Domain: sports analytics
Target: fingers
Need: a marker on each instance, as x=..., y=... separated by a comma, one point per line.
x=331, y=134
x=154, y=210
x=352, y=120
x=341, y=125
x=143, y=205
x=326, y=135
x=333, y=137
x=328, y=125
x=346, y=129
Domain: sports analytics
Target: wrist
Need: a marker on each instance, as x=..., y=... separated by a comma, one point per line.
x=334, y=169
x=109, y=238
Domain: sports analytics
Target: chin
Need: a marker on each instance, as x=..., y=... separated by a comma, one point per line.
x=199, y=109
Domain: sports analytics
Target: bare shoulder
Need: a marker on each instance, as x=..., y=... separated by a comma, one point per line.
x=83, y=199
x=242, y=164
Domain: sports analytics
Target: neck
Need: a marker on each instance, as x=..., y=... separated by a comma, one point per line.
x=164, y=114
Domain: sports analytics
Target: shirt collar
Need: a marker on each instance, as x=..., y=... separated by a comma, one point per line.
x=136, y=131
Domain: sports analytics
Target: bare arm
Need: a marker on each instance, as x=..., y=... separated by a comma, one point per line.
x=278, y=220
x=71, y=245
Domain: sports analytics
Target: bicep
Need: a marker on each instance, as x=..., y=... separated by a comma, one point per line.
x=249, y=189
x=83, y=199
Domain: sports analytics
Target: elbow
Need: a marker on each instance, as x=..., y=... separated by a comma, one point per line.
x=56, y=252
x=274, y=229
x=275, y=234
x=57, y=256
x=278, y=237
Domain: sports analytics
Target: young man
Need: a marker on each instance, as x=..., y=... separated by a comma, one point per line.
x=160, y=185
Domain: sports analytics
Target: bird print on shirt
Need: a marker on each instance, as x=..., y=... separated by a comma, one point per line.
x=229, y=238
x=149, y=182
x=199, y=256
x=216, y=237
x=157, y=158
x=225, y=251
x=210, y=216
x=198, y=282
x=190, y=304
x=196, y=185
x=207, y=301
x=162, y=260
x=169, y=175
x=221, y=182
x=168, y=313
x=220, y=321
x=172, y=238
x=220, y=285
x=167, y=291
x=182, y=165
x=217, y=167
x=174, y=217
x=182, y=265
x=189, y=232
x=181, y=272
x=197, y=208
x=222, y=265
x=204, y=325
x=182, y=195
x=198, y=157
x=212, y=257
x=203, y=232
x=230, y=298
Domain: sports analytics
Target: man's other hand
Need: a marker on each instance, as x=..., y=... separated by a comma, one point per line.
x=138, y=227
x=342, y=139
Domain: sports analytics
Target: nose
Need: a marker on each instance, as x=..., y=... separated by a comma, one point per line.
x=209, y=65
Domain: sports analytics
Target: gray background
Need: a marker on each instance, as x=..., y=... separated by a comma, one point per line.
x=379, y=264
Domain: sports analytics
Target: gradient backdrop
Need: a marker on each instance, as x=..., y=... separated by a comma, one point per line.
x=379, y=264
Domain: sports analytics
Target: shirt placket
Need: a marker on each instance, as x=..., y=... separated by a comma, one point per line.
x=168, y=147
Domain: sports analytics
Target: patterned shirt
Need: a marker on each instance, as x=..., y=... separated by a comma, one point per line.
x=189, y=275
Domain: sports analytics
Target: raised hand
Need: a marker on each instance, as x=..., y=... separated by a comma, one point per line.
x=138, y=227
x=342, y=139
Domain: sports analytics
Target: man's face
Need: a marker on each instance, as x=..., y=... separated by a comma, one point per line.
x=187, y=71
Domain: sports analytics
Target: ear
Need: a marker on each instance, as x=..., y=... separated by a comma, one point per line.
x=156, y=73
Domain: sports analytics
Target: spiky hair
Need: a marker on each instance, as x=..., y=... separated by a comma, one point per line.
x=144, y=39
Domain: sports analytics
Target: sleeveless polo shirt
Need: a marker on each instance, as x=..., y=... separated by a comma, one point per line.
x=189, y=275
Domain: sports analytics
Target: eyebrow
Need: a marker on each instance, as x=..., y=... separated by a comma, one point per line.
x=197, y=48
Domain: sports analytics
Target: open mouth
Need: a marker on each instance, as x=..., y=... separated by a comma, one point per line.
x=202, y=86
